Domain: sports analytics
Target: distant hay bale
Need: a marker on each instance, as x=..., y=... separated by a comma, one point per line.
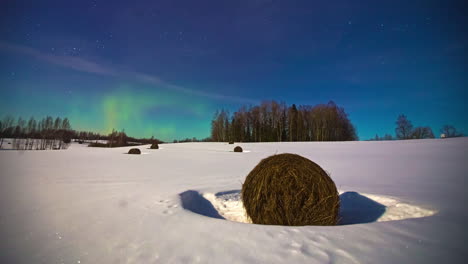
x=238, y=149
x=288, y=189
x=231, y=142
x=154, y=146
x=134, y=151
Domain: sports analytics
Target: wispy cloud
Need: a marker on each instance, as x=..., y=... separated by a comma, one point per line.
x=83, y=65
x=71, y=62
x=157, y=81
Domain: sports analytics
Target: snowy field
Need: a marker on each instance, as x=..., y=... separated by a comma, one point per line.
x=403, y=202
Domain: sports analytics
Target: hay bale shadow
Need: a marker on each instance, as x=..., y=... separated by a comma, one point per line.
x=237, y=192
x=196, y=203
x=358, y=209
x=355, y=208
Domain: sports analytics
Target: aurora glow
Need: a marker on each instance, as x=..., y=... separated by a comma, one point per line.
x=141, y=111
x=162, y=68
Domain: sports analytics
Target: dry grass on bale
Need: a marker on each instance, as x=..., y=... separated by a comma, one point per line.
x=134, y=151
x=154, y=146
x=288, y=189
x=238, y=149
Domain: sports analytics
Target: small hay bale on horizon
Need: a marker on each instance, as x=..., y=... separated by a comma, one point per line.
x=154, y=146
x=134, y=151
x=238, y=149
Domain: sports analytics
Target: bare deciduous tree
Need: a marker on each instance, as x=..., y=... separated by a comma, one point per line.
x=404, y=127
x=422, y=132
x=450, y=131
x=6, y=128
x=45, y=134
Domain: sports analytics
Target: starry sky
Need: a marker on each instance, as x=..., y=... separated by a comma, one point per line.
x=162, y=68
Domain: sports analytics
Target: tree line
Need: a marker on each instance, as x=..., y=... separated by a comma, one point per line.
x=114, y=139
x=405, y=130
x=47, y=133
x=57, y=133
x=190, y=140
x=272, y=121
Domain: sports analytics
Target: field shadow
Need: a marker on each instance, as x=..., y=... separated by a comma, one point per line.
x=195, y=202
x=358, y=209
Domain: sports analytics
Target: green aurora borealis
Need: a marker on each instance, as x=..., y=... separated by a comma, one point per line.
x=142, y=110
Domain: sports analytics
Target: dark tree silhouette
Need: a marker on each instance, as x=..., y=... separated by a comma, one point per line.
x=422, y=132
x=404, y=128
x=45, y=134
x=292, y=123
x=273, y=121
x=449, y=131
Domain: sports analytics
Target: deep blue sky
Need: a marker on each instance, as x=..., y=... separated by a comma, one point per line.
x=162, y=67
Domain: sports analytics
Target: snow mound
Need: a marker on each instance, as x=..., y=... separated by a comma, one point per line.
x=356, y=208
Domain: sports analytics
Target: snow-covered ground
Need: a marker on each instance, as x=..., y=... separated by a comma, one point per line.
x=403, y=202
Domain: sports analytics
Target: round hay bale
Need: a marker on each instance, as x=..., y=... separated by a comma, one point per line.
x=288, y=189
x=134, y=151
x=231, y=142
x=154, y=146
x=238, y=149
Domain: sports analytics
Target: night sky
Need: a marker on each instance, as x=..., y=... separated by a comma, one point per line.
x=162, y=68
